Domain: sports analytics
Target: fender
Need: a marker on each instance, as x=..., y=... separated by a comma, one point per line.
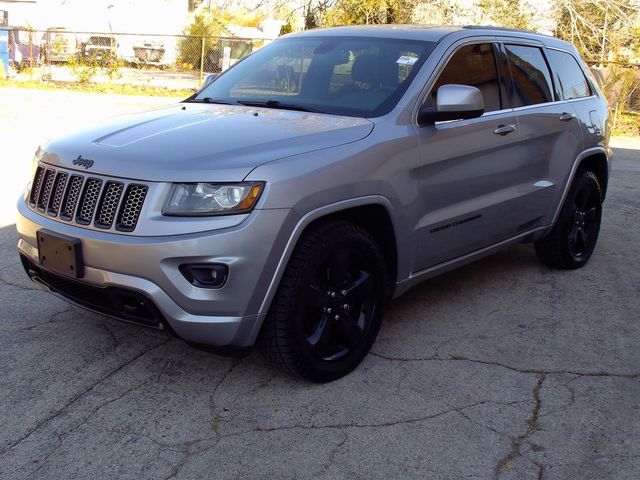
x=304, y=222
x=574, y=169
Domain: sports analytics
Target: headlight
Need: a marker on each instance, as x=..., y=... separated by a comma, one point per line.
x=199, y=199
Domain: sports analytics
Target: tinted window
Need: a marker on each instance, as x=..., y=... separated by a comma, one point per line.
x=568, y=75
x=473, y=65
x=356, y=76
x=347, y=74
x=531, y=79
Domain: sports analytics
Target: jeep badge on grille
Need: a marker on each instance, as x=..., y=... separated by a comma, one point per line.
x=83, y=162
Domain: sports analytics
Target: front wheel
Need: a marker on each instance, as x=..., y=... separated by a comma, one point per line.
x=573, y=238
x=329, y=305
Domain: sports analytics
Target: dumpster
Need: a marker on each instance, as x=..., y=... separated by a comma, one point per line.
x=4, y=53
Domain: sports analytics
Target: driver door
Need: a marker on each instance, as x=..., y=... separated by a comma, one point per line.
x=474, y=175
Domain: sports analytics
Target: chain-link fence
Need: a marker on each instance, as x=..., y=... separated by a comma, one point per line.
x=180, y=61
x=621, y=85
x=170, y=61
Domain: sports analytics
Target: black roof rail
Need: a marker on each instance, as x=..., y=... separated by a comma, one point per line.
x=504, y=29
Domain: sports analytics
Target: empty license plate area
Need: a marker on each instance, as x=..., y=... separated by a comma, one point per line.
x=61, y=254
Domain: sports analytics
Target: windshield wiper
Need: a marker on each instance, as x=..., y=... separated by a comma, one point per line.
x=279, y=105
x=211, y=100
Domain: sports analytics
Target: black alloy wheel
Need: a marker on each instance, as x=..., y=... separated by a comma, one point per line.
x=329, y=305
x=586, y=221
x=573, y=238
x=338, y=304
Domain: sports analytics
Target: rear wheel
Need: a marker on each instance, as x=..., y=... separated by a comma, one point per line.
x=571, y=242
x=329, y=305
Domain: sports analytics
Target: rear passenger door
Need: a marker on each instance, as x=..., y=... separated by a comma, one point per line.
x=550, y=132
x=573, y=87
x=474, y=180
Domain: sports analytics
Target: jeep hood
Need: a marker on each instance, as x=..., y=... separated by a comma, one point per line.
x=200, y=142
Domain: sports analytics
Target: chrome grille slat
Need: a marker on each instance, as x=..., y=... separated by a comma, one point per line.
x=58, y=193
x=45, y=190
x=88, y=201
x=109, y=204
x=35, y=186
x=131, y=207
x=71, y=197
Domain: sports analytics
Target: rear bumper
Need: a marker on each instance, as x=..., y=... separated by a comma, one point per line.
x=120, y=270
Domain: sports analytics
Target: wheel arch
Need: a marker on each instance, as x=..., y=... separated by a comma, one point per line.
x=598, y=163
x=372, y=213
x=596, y=159
x=376, y=220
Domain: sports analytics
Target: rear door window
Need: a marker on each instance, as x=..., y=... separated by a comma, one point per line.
x=530, y=73
x=568, y=75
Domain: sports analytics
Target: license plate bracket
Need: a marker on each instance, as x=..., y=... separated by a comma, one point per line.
x=60, y=253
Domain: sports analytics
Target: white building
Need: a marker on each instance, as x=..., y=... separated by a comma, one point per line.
x=123, y=16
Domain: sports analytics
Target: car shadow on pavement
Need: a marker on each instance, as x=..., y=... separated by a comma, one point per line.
x=434, y=302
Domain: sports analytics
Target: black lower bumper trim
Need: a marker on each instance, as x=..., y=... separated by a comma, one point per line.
x=124, y=304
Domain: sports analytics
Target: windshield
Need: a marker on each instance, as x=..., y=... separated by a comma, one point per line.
x=356, y=76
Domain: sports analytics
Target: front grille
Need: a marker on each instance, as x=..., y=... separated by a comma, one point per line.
x=87, y=200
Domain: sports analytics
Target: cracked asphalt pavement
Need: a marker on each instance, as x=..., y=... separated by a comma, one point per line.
x=502, y=369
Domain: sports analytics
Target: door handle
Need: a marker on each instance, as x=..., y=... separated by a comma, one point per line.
x=504, y=129
x=565, y=117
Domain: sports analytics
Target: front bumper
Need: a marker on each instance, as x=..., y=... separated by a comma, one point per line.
x=148, y=267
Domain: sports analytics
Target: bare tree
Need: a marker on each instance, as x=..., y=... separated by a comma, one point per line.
x=436, y=12
x=603, y=30
x=504, y=13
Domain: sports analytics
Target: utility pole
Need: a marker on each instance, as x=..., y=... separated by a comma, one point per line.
x=604, y=33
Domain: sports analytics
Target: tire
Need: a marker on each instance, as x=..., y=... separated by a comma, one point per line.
x=329, y=305
x=573, y=238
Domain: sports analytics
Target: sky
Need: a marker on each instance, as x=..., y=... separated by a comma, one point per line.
x=140, y=16
x=155, y=16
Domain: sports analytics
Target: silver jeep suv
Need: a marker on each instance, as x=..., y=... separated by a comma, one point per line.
x=288, y=201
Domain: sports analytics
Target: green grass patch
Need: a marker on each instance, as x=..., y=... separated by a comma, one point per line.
x=112, y=88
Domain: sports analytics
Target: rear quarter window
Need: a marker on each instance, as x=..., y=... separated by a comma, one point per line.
x=568, y=75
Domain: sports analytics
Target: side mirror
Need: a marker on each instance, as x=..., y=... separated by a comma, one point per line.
x=209, y=79
x=453, y=102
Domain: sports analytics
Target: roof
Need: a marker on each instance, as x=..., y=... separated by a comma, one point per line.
x=426, y=33
x=409, y=32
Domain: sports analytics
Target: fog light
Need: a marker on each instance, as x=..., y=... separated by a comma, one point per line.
x=205, y=275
